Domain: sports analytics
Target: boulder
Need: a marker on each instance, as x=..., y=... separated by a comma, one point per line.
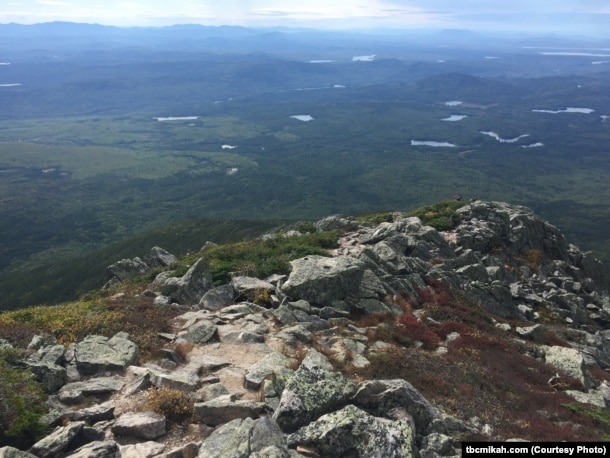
x=158, y=257
x=93, y=414
x=246, y=438
x=313, y=390
x=392, y=399
x=126, y=268
x=352, y=432
x=200, y=332
x=98, y=354
x=190, y=288
x=321, y=280
x=58, y=441
x=264, y=368
x=569, y=360
x=143, y=425
x=217, y=298
x=74, y=392
x=249, y=287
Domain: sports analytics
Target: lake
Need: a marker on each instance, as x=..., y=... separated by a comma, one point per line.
x=432, y=143
x=304, y=118
x=454, y=118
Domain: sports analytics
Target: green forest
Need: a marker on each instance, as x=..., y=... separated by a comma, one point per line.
x=102, y=159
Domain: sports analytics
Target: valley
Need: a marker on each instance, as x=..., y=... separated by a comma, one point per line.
x=103, y=141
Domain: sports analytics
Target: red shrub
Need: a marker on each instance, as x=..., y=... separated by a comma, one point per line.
x=416, y=330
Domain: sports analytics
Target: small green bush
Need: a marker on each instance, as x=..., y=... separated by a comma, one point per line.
x=442, y=216
x=22, y=405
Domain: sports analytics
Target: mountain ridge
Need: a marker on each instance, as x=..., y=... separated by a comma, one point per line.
x=461, y=321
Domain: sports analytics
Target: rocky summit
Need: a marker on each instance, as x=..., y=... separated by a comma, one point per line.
x=404, y=339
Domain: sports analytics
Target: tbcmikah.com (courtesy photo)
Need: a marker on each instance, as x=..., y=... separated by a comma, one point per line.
x=556, y=449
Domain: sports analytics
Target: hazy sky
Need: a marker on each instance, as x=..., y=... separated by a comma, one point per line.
x=572, y=16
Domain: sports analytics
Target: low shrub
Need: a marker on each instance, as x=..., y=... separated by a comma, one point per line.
x=22, y=405
x=442, y=216
x=264, y=257
x=416, y=330
x=174, y=404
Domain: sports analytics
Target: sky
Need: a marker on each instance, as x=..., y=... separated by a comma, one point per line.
x=587, y=17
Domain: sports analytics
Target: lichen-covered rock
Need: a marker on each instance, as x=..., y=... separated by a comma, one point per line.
x=264, y=368
x=245, y=438
x=352, y=432
x=99, y=354
x=313, y=390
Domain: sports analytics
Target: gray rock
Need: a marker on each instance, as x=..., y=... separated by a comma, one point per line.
x=384, y=398
x=436, y=445
x=148, y=449
x=11, y=452
x=247, y=286
x=58, y=441
x=98, y=354
x=264, y=368
x=534, y=333
x=189, y=288
x=73, y=393
x=217, y=298
x=98, y=449
x=93, y=414
x=297, y=312
x=143, y=425
x=158, y=257
x=126, y=268
x=242, y=337
x=569, y=360
x=321, y=280
x=200, y=332
x=223, y=409
x=213, y=391
x=50, y=375
x=352, y=432
x=313, y=390
x=189, y=450
x=292, y=335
